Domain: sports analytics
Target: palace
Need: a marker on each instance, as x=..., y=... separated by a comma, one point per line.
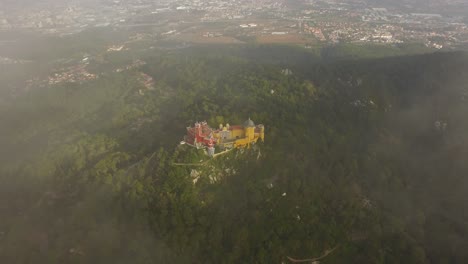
x=225, y=137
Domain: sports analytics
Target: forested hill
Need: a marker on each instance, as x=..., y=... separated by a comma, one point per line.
x=364, y=159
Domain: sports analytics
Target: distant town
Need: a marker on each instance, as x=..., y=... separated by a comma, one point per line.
x=306, y=22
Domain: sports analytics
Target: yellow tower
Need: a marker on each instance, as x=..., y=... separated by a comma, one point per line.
x=249, y=128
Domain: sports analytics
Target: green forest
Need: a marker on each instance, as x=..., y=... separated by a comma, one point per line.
x=364, y=161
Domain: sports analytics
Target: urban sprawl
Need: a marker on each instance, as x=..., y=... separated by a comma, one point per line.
x=221, y=21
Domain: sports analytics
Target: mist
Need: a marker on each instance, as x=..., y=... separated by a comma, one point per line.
x=363, y=103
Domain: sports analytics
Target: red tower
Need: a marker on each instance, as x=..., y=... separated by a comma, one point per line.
x=200, y=136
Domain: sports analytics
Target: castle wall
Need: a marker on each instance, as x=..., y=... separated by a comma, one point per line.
x=237, y=133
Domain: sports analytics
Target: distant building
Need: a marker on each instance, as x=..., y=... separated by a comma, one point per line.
x=426, y=15
x=286, y=72
x=115, y=48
